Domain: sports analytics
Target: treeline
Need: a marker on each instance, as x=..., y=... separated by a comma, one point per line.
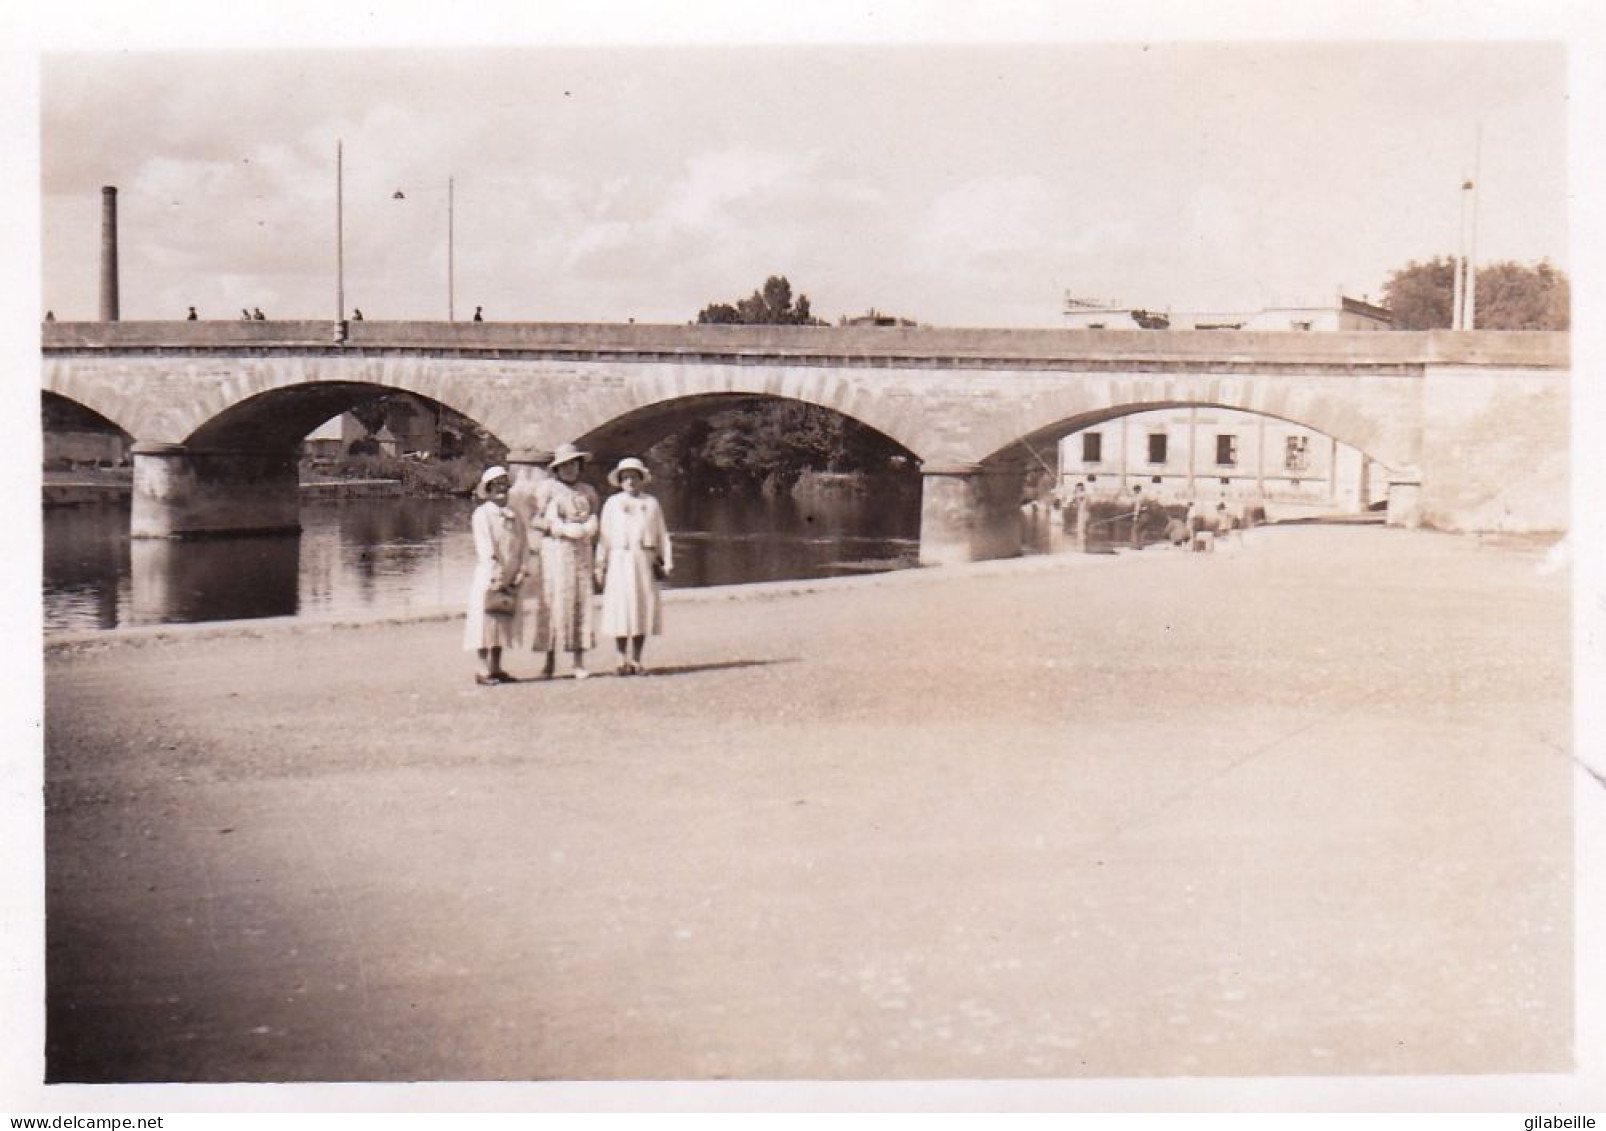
x=767, y=444
x=1510, y=296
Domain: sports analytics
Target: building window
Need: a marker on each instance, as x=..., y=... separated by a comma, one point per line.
x=1092, y=447
x=1303, y=325
x=1157, y=447
x=1296, y=453
x=1156, y=479
x=1096, y=326
x=1226, y=450
x=1226, y=481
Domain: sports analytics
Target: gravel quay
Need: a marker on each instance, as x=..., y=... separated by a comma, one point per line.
x=1301, y=806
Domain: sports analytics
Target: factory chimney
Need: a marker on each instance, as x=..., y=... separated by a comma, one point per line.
x=108, y=254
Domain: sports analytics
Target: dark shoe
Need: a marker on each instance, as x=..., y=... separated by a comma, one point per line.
x=484, y=680
x=503, y=677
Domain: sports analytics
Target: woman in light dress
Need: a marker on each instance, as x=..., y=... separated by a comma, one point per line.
x=633, y=552
x=566, y=517
x=526, y=497
x=499, y=553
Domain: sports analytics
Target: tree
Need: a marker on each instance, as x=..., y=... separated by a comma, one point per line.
x=1510, y=296
x=770, y=306
x=774, y=440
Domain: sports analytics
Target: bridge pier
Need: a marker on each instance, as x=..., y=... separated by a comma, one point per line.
x=180, y=493
x=1405, y=501
x=968, y=514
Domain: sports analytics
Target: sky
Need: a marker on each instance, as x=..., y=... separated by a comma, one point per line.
x=956, y=183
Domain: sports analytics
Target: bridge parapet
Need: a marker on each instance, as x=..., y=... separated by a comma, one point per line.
x=1236, y=349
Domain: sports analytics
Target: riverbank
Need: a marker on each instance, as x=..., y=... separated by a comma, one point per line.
x=1298, y=808
x=92, y=487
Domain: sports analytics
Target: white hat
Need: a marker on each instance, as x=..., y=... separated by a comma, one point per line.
x=630, y=463
x=492, y=474
x=567, y=452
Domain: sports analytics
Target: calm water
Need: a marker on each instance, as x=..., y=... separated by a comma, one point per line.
x=394, y=556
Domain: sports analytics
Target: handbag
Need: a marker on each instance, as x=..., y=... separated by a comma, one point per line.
x=500, y=602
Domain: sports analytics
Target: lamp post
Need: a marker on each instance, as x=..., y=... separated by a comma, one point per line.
x=451, y=282
x=451, y=250
x=340, y=233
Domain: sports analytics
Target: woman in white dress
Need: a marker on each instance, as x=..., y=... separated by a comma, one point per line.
x=633, y=553
x=567, y=518
x=499, y=551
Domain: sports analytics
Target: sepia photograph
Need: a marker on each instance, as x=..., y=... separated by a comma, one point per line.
x=875, y=563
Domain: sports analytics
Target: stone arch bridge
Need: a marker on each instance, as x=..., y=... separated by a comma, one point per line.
x=1472, y=426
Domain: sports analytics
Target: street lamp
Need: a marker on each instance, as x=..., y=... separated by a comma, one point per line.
x=451, y=219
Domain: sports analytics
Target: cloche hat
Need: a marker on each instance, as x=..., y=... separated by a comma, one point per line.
x=490, y=475
x=566, y=453
x=630, y=463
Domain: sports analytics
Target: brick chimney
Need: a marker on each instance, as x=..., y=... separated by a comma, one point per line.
x=108, y=254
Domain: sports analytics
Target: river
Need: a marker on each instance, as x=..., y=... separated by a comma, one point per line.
x=397, y=556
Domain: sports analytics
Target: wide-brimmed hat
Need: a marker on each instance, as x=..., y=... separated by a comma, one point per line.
x=491, y=475
x=630, y=463
x=567, y=453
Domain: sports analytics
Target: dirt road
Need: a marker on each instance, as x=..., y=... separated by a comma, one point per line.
x=1297, y=807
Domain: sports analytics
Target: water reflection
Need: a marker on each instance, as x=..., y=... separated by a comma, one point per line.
x=178, y=580
x=401, y=556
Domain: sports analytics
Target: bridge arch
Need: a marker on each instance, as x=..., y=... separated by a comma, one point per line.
x=85, y=401
x=280, y=418
x=636, y=431
x=1386, y=429
x=655, y=403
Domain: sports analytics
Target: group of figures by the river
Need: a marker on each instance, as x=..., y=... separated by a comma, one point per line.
x=544, y=548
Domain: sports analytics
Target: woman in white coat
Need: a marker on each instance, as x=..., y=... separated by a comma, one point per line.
x=633, y=553
x=499, y=568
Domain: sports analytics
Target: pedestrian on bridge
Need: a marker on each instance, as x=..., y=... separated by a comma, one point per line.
x=568, y=524
x=478, y=314
x=494, y=621
x=633, y=556
x=191, y=317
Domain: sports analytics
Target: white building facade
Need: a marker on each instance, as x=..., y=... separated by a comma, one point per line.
x=1207, y=454
x=1214, y=454
x=1339, y=312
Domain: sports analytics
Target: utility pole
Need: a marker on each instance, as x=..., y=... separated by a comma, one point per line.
x=451, y=285
x=340, y=233
x=1472, y=242
x=1464, y=315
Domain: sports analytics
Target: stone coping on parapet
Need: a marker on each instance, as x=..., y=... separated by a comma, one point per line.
x=848, y=345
